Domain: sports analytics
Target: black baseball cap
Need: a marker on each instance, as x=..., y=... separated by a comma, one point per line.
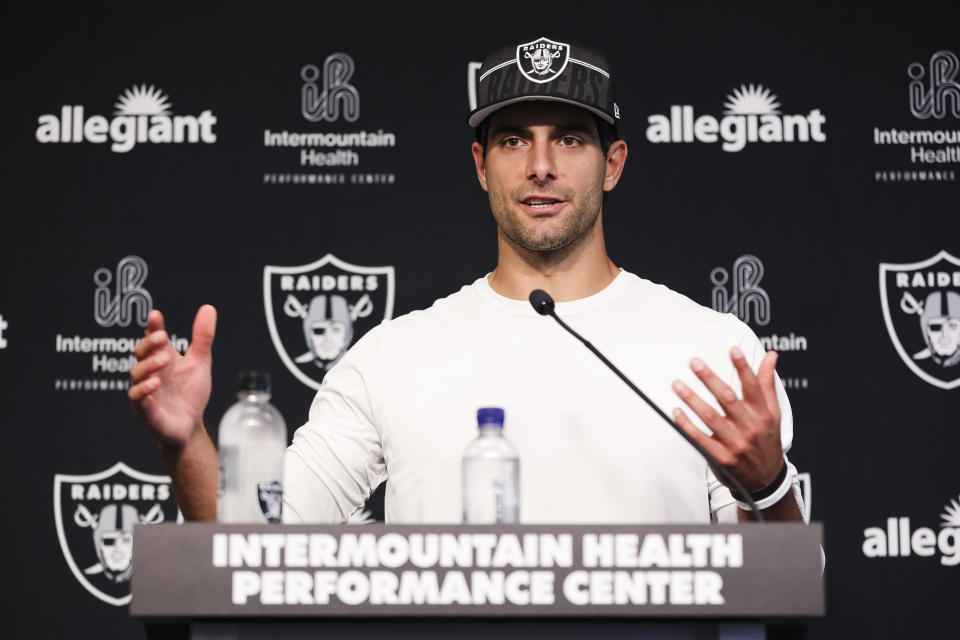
x=545, y=69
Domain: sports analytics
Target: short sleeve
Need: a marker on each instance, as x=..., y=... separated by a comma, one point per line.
x=336, y=458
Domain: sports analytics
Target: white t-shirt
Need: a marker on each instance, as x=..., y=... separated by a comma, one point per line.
x=401, y=406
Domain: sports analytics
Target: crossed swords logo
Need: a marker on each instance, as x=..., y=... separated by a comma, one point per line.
x=295, y=309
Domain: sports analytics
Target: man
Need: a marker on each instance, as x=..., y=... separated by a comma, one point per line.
x=399, y=405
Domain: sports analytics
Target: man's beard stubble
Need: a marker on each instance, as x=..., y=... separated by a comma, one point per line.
x=575, y=228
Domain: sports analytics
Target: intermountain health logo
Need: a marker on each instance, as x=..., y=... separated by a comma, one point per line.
x=934, y=90
x=897, y=539
x=142, y=115
x=95, y=515
x=316, y=311
x=335, y=96
x=752, y=114
x=98, y=358
x=932, y=96
x=333, y=154
x=738, y=291
x=921, y=308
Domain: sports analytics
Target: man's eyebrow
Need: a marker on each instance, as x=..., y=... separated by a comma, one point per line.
x=573, y=127
x=578, y=127
x=508, y=128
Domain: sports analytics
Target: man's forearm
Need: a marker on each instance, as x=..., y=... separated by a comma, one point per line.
x=195, y=472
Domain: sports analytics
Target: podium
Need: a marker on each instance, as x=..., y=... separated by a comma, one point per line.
x=548, y=581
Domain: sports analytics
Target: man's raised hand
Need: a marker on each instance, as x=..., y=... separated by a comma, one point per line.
x=169, y=391
x=746, y=436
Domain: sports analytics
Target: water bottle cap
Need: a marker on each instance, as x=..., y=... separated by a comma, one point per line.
x=490, y=415
x=253, y=381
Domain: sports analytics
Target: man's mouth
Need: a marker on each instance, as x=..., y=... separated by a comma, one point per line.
x=542, y=204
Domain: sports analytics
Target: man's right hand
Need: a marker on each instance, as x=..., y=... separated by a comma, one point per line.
x=169, y=391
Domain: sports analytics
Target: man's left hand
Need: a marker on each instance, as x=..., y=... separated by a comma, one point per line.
x=746, y=436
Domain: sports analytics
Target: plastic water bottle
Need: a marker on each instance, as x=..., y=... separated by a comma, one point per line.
x=252, y=440
x=491, y=474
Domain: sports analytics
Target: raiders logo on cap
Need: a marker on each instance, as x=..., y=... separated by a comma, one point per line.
x=543, y=70
x=542, y=60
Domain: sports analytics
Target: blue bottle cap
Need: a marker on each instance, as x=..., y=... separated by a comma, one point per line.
x=490, y=415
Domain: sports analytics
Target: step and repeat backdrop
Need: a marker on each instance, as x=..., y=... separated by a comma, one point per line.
x=797, y=168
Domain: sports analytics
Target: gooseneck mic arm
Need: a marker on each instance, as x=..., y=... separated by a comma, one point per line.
x=543, y=304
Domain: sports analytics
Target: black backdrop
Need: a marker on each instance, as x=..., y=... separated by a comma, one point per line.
x=877, y=438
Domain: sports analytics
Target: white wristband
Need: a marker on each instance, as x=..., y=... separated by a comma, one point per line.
x=773, y=498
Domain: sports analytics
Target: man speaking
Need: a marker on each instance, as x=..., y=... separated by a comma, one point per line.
x=399, y=406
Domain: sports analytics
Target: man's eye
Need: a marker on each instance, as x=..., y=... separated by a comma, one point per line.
x=512, y=142
x=568, y=141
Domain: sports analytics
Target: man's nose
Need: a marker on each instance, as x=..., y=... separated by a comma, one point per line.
x=541, y=162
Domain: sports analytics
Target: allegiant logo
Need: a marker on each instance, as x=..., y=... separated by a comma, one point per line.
x=899, y=539
x=142, y=116
x=752, y=115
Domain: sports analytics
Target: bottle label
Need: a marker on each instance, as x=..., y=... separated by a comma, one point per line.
x=498, y=507
x=228, y=469
x=270, y=499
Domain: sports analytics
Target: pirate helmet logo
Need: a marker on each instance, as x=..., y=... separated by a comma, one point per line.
x=542, y=60
x=328, y=329
x=921, y=308
x=316, y=311
x=270, y=499
x=113, y=539
x=940, y=323
x=95, y=515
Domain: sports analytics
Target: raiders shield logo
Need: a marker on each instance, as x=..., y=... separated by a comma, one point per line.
x=316, y=311
x=95, y=515
x=270, y=499
x=921, y=306
x=542, y=60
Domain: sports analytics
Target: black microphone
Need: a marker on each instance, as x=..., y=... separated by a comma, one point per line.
x=543, y=304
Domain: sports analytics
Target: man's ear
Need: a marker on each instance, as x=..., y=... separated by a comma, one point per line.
x=616, y=159
x=480, y=163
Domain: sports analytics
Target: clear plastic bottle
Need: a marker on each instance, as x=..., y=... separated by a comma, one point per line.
x=252, y=439
x=491, y=474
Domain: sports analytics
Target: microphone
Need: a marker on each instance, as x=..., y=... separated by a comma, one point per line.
x=543, y=304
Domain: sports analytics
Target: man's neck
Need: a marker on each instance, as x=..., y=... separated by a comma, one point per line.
x=569, y=274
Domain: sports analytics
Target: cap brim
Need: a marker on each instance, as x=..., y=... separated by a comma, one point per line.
x=479, y=115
